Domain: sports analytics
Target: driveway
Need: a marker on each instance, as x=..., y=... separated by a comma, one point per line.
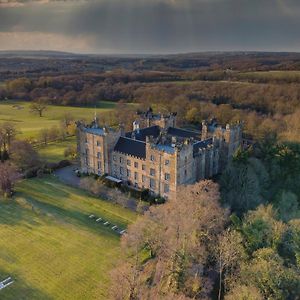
x=68, y=176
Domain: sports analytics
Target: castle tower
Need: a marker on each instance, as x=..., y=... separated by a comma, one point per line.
x=204, y=133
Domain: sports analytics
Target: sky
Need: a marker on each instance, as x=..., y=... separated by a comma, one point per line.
x=150, y=26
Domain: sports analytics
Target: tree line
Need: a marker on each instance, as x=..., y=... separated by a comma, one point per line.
x=236, y=238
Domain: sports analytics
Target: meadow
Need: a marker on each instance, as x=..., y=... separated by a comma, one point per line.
x=29, y=124
x=51, y=248
x=266, y=76
x=54, y=151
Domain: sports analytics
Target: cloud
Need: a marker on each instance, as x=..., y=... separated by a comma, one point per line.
x=156, y=26
x=45, y=41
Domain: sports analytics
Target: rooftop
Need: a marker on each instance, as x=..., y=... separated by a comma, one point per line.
x=131, y=147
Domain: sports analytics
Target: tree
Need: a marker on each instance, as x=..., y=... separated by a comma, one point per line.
x=7, y=134
x=268, y=273
x=39, y=106
x=53, y=133
x=230, y=254
x=244, y=292
x=262, y=229
x=287, y=206
x=179, y=236
x=8, y=177
x=289, y=246
x=244, y=185
x=23, y=155
x=129, y=275
x=71, y=152
x=44, y=135
x=67, y=119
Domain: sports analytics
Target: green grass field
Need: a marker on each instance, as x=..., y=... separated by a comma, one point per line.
x=51, y=248
x=270, y=75
x=29, y=124
x=54, y=152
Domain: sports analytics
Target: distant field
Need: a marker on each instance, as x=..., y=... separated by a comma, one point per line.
x=271, y=75
x=54, y=152
x=51, y=248
x=29, y=124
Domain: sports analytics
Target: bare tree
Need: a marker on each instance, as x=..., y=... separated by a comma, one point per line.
x=129, y=275
x=39, y=106
x=23, y=155
x=179, y=237
x=44, y=135
x=8, y=132
x=229, y=256
x=67, y=119
x=8, y=177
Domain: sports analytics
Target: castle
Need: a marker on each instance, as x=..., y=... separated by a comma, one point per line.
x=156, y=155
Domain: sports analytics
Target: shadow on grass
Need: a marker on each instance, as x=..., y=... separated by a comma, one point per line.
x=20, y=289
x=14, y=211
x=72, y=216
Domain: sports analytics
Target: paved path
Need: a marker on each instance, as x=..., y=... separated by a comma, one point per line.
x=68, y=176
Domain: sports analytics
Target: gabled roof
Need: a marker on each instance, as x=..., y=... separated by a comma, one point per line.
x=182, y=133
x=201, y=144
x=96, y=131
x=131, y=147
x=143, y=133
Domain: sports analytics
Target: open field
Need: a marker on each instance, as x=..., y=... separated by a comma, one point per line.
x=29, y=124
x=54, y=151
x=292, y=76
x=51, y=248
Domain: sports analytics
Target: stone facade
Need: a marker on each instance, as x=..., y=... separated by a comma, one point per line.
x=156, y=155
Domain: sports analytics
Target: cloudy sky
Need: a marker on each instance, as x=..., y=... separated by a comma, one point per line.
x=149, y=26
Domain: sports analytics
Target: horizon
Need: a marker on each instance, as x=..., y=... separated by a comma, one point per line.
x=10, y=51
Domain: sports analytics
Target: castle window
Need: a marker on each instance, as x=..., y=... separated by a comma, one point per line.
x=185, y=173
x=128, y=173
x=121, y=170
x=167, y=176
x=152, y=158
x=167, y=162
x=152, y=172
x=166, y=188
x=143, y=178
x=185, y=159
x=128, y=162
x=86, y=140
x=114, y=158
x=98, y=143
x=144, y=167
x=99, y=165
x=136, y=165
x=135, y=176
x=152, y=183
x=121, y=160
x=98, y=155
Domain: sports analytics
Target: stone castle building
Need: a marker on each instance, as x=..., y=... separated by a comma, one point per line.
x=156, y=155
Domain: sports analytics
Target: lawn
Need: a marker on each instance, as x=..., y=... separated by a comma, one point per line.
x=29, y=124
x=54, y=152
x=51, y=248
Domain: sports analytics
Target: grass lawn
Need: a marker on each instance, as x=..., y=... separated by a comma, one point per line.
x=29, y=124
x=51, y=248
x=54, y=152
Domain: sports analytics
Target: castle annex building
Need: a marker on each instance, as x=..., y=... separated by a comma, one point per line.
x=156, y=155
